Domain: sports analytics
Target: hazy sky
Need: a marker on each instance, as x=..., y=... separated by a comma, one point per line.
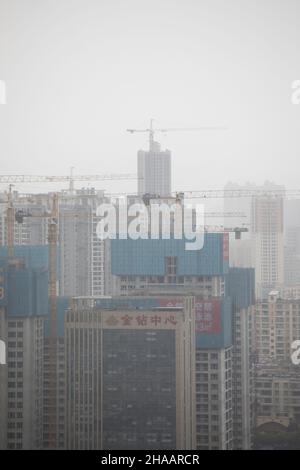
x=79, y=72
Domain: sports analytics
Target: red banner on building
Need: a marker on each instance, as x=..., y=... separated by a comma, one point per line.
x=208, y=313
x=208, y=316
x=226, y=246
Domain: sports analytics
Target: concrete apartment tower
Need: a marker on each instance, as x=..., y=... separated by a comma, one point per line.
x=3, y=338
x=263, y=246
x=3, y=373
x=268, y=239
x=26, y=305
x=154, y=170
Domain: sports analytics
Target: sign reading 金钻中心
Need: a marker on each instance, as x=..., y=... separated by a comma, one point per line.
x=141, y=320
x=208, y=316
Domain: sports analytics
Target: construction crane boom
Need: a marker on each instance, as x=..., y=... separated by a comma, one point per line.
x=10, y=213
x=221, y=194
x=151, y=131
x=9, y=179
x=53, y=343
x=215, y=193
x=238, y=193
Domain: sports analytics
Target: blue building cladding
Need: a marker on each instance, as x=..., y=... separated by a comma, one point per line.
x=3, y=283
x=23, y=289
x=34, y=257
x=223, y=338
x=147, y=257
x=240, y=287
x=27, y=292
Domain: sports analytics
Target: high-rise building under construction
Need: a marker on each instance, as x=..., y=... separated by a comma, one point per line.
x=154, y=171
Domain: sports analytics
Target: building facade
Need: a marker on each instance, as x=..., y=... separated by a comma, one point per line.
x=268, y=240
x=277, y=326
x=26, y=308
x=130, y=377
x=154, y=171
x=81, y=254
x=3, y=358
x=292, y=256
x=165, y=267
x=278, y=396
x=240, y=287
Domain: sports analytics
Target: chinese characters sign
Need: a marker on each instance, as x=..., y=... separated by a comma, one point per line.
x=208, y=316
x=226, y=247
x=150, y=320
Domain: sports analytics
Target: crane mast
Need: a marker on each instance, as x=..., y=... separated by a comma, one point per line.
x=10, y=213
x=52, y=295
x=53, y=340
x=151, y=131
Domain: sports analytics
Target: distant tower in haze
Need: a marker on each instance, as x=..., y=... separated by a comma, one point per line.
x=154, y=171
x=268, y=239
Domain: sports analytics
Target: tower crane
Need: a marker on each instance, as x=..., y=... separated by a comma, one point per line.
x=12, y=179
x=10, y=223
x=70, y=179
x=52, y=217
x=237, y=193
x=15, y=179
x=151, y=131
x=12, y=215
x=53, y=342
x=222, y=194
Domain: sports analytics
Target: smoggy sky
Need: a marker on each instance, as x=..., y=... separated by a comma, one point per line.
x=80, y=72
